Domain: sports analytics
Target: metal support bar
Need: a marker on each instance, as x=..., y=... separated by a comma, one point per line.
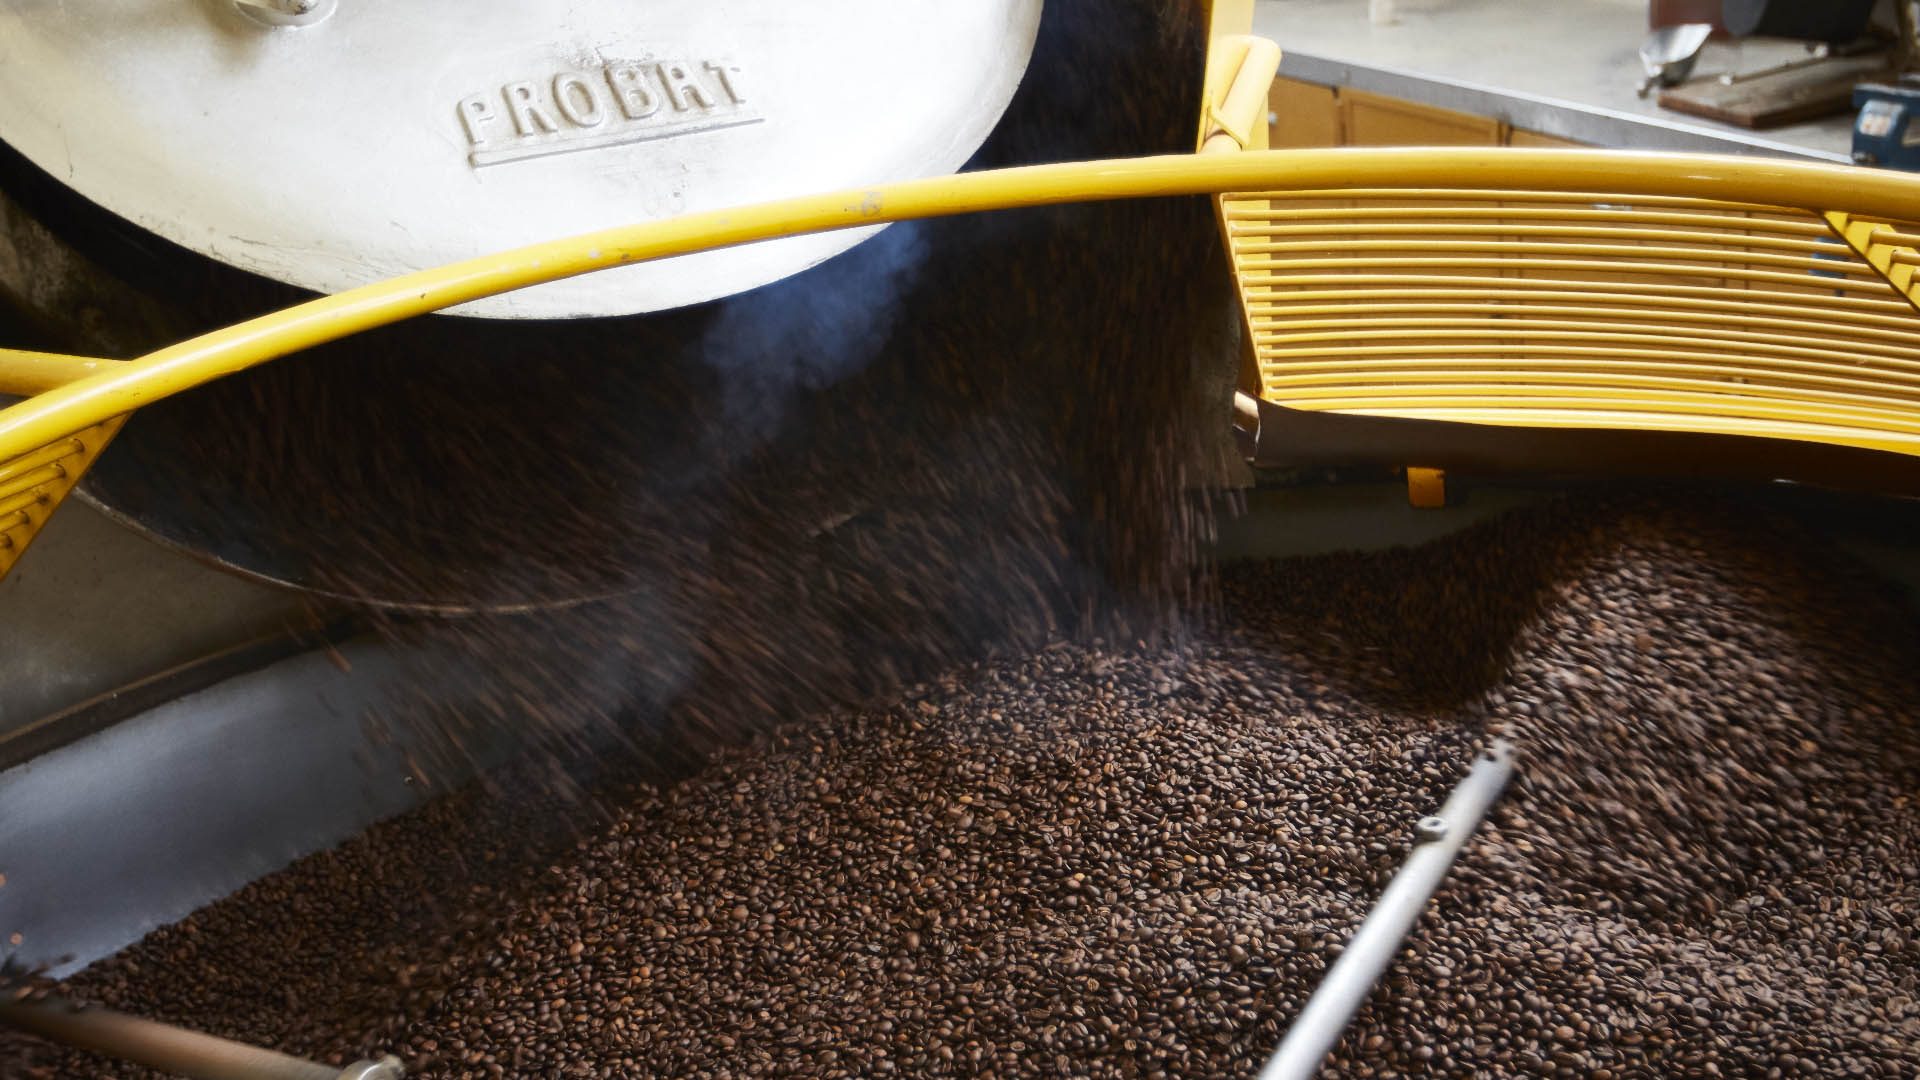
x=26, y=372
x=175, y=1050
x=1350, y=980
x=1883, y=247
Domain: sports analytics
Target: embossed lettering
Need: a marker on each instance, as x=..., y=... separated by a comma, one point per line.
x=475, y=114
x=628, y=82
x=728, y=76
x=529, y=117
x=569, y=110
x=577, y=101
x=682, y=90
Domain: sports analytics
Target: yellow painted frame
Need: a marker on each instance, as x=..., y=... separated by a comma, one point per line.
x=95, y=397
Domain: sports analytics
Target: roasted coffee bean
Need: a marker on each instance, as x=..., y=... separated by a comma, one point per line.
x=1052, y=864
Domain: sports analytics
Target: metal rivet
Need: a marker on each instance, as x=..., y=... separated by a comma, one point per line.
x=1429, y=829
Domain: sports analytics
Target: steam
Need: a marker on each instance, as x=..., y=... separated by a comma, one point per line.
x=809, y=331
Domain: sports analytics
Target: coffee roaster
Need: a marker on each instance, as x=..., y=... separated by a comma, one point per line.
x=1437, y=312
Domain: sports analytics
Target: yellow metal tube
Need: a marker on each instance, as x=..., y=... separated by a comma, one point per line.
x=1551, y=193
x=24, y=372
x=1511, y=330
x=66, y=409
x=1390, y=310
x=1241, y=107
x=1422, y=236
x=1710, y=258
x=32, y=478
x=14, y=506
x=1876, y=284
x=1340, y=217
x=1304, y=288
x=1668, y=402
x=52, y=452
x=1295, y=387
x=1488, y=343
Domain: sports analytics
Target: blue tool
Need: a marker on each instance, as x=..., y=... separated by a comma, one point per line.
x=1884, y=133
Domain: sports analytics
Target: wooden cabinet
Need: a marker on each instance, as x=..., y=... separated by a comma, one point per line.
x=1301, y=115
x=1304, y=114
x=1372, y=120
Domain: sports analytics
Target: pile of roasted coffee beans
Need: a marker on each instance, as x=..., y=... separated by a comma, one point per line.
x=1136, y=860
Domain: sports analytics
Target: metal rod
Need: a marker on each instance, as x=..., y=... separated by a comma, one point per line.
x=1350, y=980
x=175, y=1050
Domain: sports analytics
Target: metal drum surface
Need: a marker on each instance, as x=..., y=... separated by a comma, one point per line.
x=363, y=140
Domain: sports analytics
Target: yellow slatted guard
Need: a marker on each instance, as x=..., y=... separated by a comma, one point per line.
x=1582, y=308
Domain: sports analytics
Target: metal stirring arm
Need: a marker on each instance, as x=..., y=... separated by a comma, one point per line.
x=175, y=1050
x=1350, y=980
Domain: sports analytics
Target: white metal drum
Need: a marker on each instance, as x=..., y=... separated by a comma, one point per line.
x=330, y=143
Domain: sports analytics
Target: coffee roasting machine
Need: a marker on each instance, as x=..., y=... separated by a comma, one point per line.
x=1438, y=312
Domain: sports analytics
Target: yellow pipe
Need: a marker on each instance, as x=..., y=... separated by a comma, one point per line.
x=1340, y=216
x=16, y=505
x=1484, y=329
x=1682, y=392
x=1581, y=266
x=24, y=372
x=1304, y=287
x=1385, y=311
x=45, y=455
x=69, y=408
x=30, y=479
x=1671, y=403
x=1412, y=371
x=1241, y=110
x=1292, y=386
x=1709, y=258
x=1352, y=302
x=1546, y=193
x=1421, y=235
x=1483, y=343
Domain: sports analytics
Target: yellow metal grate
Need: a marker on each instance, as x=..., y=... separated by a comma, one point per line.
x=32, y=484
x=1580, y=309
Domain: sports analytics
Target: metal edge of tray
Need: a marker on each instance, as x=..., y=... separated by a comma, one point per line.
x=1548, y=116
x=153, y=816
x=101, y=711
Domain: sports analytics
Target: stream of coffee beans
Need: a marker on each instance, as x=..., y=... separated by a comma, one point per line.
x=964, y=434
x=1136, y=859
